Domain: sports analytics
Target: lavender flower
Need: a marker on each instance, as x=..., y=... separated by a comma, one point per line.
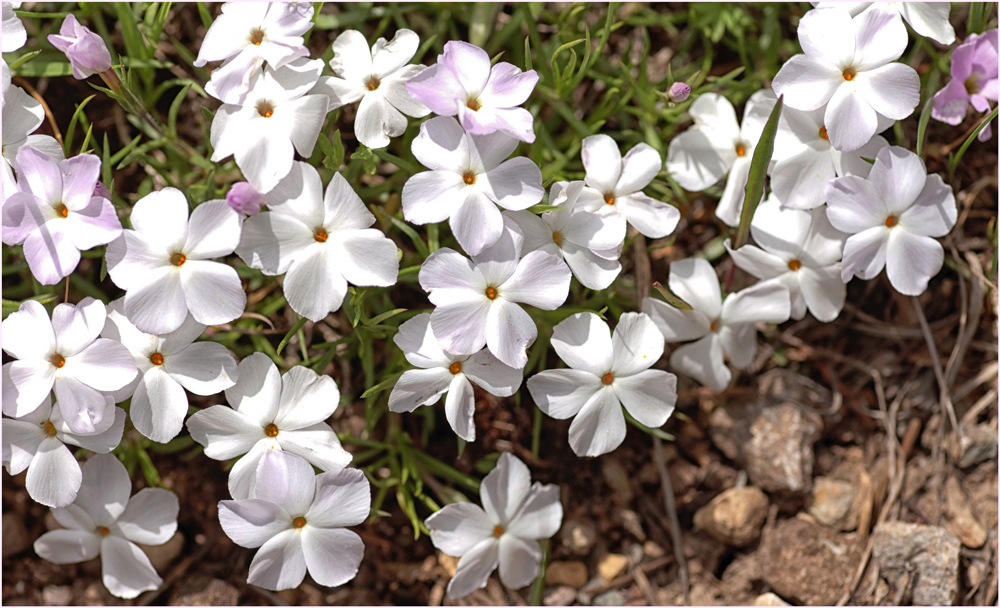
x=244, y=198
x=973, y=81
x=85, y=50
x=678, y=92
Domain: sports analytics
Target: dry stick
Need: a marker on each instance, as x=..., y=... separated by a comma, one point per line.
x=643, y=279
x=45, y=107
x=647, y=568
x=970, y=322
x=945, y=397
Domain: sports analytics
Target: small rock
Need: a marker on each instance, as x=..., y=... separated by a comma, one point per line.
x=834, y=503
x=929, y=552
x=961, y=521
x=808, y=563
x=734, y=517
x=652, y=549
x=15, y=535
x=634, y=553
x=618, y=479
x=976, y=444
x=57, y=596
x=611, y=565
x=769, y=599
x=610, y=598
x=217, y=593
x=570, y=574
x=632, y=524
x=560, y=596
x=578, y=536
x=449, y=563
x=161, y=555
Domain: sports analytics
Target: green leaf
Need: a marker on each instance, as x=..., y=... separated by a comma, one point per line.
x=925, y=116
x=78, y=116
x=381, y=386
x=46, y=67
x=205, y=14
x=671, y=297
x=953, y=161
x=298, y=325
x=754, y=191
x=645, y=429
x=382, y=317
x=23, y=59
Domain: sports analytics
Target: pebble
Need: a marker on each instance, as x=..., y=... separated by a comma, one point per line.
x=216, y=593
x=931, y=553
x=807, y=563
x=611, y=565
x=976, y=444
x=653, y=550
x=618, y=479
x=632, y=524
x=566, y=573
x=449, y=563
x=960, y=519
x=610, y=598
x=734, y=517
x=54, y=595
x=15, y=535
x=578, y=536
x=834, y=503
x=560, y=596
x=161, y=555
x=769, y=599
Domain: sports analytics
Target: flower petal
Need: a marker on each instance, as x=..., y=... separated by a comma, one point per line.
x=54, y=475
x=150, y=517
x=459, y=407
x=702, y=360
x=637, y=344
x=318, y=444
x=583, y=341
x=474, y=568
x=213, y=231
x=763, y=302
x=286, y=480
x=158, y=406
x=510, y=331
x=599, y=427
x=694, y=281
x=306, y=398
x=257, y=393
x=343, y=498
x=850, y=120
x=314, y=285
x=105, y=489
x=491, y=374
x=280, y=562
x=651, y=217
x=807, y=83
x=224, y=432
x=893, y=90
x=561, y=393
x=519, y=560
x=865, y=254
x=602, y=161
x=68, y=546
x=911, y=260
x=418, y=343
x=540, y=515
x=933, y=213
x=213, y=292
x=541, y=280
x=332, y=556
x=649, y=396
x=458, y=527
x=251, y=523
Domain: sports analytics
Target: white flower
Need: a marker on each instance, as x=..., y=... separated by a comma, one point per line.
x=589, y=242
x=443, y=372
x=377, y=77
x=278, y=116
x=719, y=326
x=167, y=364
x=321, y=242
x=847, y=65
x=802, y=251
x=247, y=34
x=37, y=441
x=468, y=179
x=615, y=186
x=716, y=145
x=928, y=19
x=892, y=217
x=505, y=531
x=104, y=521
x=63, y=354
x=14, y=34
x=477, y=300
x=297, y=518
x=270, y=412
x=607, y=372
x=22, y=114
x=805, y=161
x=164, y=264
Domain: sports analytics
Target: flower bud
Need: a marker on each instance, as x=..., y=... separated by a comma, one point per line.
x=243, y=198
x=102, y=191
x=678, y=92
x=85, y=50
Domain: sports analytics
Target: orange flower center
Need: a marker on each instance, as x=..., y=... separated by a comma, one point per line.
x=473, y=104
x=557, y=238
x=498, y=531
x=455, y=367
x=714, y=326
x=741, y=150
x=491, y=293
x=178, y=259
x=822, y=133
x=57, y=360
x=49, y=429
x=609, y=198
x=271, y=430
x=321, y=235
x=298, y=522
x=61, y=210
x=256, y=36
x=607, y=378
x=102, y=530
x=972, y=85
x=373, y=83
x=265, y=109
x=156, y=359
x=469, y=178
x=794, y=265
x=891, y=221
x=850, y=73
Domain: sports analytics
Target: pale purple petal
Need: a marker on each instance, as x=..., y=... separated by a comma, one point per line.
x=250, y=523
x=332, y=556
x=911, y=260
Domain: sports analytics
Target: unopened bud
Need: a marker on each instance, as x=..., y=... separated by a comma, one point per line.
x=85, y=50
x=102, y=191
x=243, y=198
x=678, y=92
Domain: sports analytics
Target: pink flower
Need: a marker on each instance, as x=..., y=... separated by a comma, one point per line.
x=678, y=92
x=85, y=50
x=243, y=198
x=973, y=81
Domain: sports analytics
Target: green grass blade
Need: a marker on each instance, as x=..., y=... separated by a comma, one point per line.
x=953, y=162
x=758, y=171
x=298, y=325
x=925, y=116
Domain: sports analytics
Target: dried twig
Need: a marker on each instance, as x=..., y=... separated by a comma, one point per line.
x=45, y=107
x=675, y=526
x=945, y=396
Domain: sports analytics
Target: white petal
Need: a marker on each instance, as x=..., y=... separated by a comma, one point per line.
x=314, y=285
x=637, y=344
x=893, y=90
x=649, y=396
x=510, y=331
x=476, y=223
x=911, y=260
x=204, y=368
x=694, y=160
x=432, y=196
x=257, y=392
x=602, y=161
x=583, y=341
x=850, y=120
x=318, y=444
x=807, y=83
x=343, y=498
x=764, y=302
x=519, y=559
x=694, y=281
x=934, y=212
x=504, y=489
x=676, y=325
x=599, y=427
x=419, y=345
x=880, y=38
x=76, y=327
x=515, y=184
x=561, y=393
x=758, y=262
x=28, y=332
x=442, y=144
x=739, y=342
x=85, y=410
x=823, y=291
x=899, y=177
x=540, y=516
x=541, y=280
x=157, y=306
x=159, y=406
x=377, y=121
x=448, y=269
x=68, y=546
x=594, y=271
x=224, y=433
x=487, y=151
x=417, y=387
x=731, y=204
x=702, y=360
x=104, y=365
x=458, y=527
x=929, y=19
x=459, y=407
x=474, y=568
x=73, y=517
x=827, y=34
x=250, y=523
x=213, y=292
x=639, y=167
x=102, y=443
x=368, y=258
x=799, y=181
x=306, y=398
x=26, y=384
x=54, y=476
x=854, y=205
x=332, y=556
x=286, y=480
x=651, y=217
x=243, y=475
x=105, y=489
x=150, y=517
x=865, y=254
x=21, y=439
x=213, y=232
x=280, y=563
x=460, y=324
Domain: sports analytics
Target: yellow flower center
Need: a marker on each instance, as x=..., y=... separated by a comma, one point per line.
x=177, y=259
x=102, y=530
x=822, y=133
x=455, y=367
x=321, y=235
x=265, y=109
x=609, y=198
x=473, y=104
x=491, y=293
x=271, y=430
x=607, y=378
x=156, y=359
x=49, y=429
x=741, y=150
x=373, y=83
x=557, y=238
x=972, y=85
x=298, y=522
x=498, y=531
x=61, y=210
x=469, y=178
x=714, y=326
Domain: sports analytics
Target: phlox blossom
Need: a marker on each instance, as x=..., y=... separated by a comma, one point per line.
x=22, y=115
x=504, y=531
x=928, y=19
x=719, y=326
x=440, y=372
x=893, y=217
x=14, y=34
x=974, y=81
x=85, y=50
x=266, y=412
x=103, y=521
x=607, y=372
